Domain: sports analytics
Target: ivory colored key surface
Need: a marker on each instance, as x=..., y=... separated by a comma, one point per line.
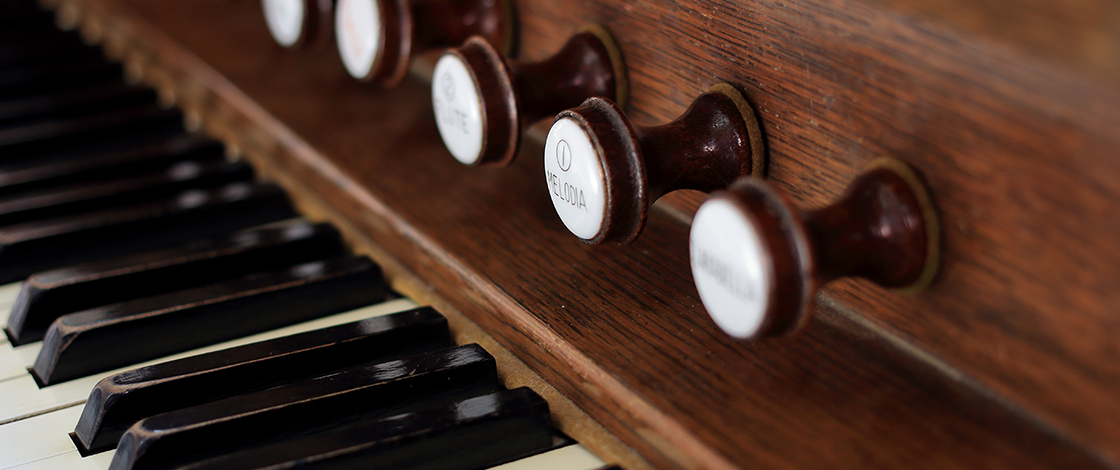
x=14, y=360
x=8, y=294
x=573, y=457
x=23, y=398
x=38, y=437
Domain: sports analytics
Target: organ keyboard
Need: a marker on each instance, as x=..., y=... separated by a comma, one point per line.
x=288, y=309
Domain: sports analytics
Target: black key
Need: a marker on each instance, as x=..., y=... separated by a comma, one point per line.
x=116, y=335
x=54, y=76
x=476, y=433
x=126, y=139
x=96, y=195
x=18, y=12
x=52, y=243
x=404, y=386
x=66, y=104
x=53, y=52
x=33, y=34
x=90, y=165
x=28, y=142
x=48, y=295
x=121, y=400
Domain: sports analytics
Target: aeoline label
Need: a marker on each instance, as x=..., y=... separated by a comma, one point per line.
x=458, y=109
x=729, y=266
x=285, y=20
x=357, y=26
x=575, y=179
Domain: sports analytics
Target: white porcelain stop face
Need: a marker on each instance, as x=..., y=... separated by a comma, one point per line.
x=574, y=174
x=458, y=109
x=285, y=19
x=730, y=266
x=357, y=26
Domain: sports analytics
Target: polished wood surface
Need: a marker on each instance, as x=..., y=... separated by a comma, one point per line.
x=1005, y=361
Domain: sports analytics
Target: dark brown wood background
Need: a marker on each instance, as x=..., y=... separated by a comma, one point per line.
x=1011, y=110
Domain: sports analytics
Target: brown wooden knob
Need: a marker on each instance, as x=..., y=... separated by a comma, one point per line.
x=758, y=261
x=299, y=23
x=483, y=101
x=378, y=38
x=604, y=173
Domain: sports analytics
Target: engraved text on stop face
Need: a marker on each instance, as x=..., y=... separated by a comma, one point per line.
x=730, y=266
x=357, y=26
x=285, y=19
x=458, y=109
x=574, y=175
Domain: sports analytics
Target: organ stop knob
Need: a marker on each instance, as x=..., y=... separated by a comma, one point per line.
x=757, y=261
x=483, y=101
x=297, y=23
x=378, y=38
x=603, y=173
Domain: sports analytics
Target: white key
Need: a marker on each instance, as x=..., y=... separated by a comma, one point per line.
x=15, y=361
x=23, y=398
x=71, y=461
x=8, y=293
x=38, y=437
x=573, y=457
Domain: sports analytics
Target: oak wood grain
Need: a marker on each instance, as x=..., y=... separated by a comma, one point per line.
x=1006, y=361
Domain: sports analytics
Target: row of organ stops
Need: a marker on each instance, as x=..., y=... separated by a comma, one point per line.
x=757, y=260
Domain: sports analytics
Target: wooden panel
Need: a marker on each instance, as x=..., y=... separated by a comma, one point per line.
x=1005, y=362
x=1020, y=153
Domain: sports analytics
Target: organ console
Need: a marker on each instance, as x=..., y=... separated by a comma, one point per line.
x=483, y=101
x=1007, y=112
